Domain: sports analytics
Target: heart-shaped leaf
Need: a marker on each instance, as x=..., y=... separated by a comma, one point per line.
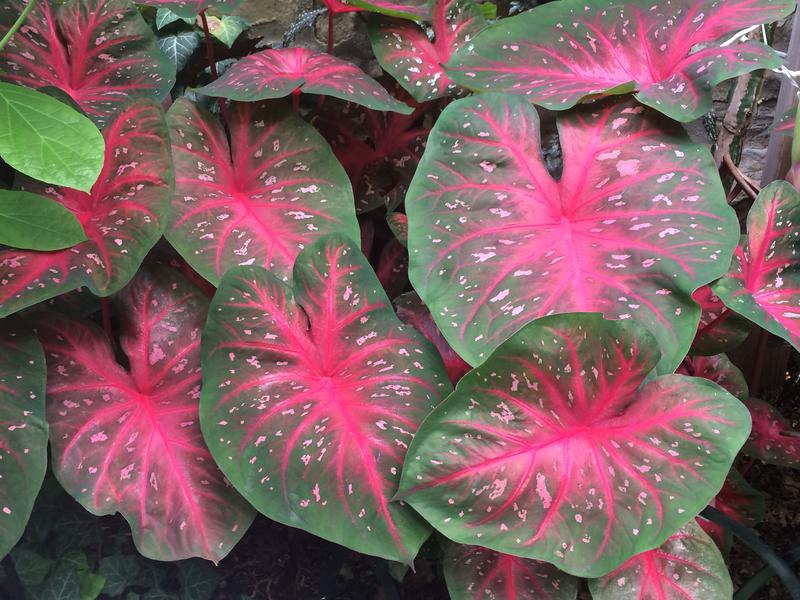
x=718, y=369
x=23, y=435
x=34, y=222
x=278, y=72
x=555, y=448
x=100, y=52
x=417, y=10
x=258, y=200
x=48, y=140
x=379, y=151
x=560, y=53
x=720, y=329
x=475, y=573
x=764, y=281
x=772, y=439
x=190, y=8
x=688, y=566
x=413, y=311
x=312, y=394
x=129, y=441
x=179, y=47
x=405, y=52
x=636, y=222
x=738, y=500
x=123, y=217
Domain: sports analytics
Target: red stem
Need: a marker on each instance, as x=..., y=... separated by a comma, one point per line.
x=296, y=100
x=209, y=46
x=105, y=305
x=330, y=31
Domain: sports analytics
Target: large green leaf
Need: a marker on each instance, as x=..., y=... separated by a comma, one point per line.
x=48, y=140
x=33, y=222
x=556, y=449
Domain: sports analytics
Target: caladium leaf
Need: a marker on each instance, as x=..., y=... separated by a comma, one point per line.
x=417, y=10
x=190, y=8
x=764, y=281
x=23, y=431
x=738, y=500
x=772, y=439
x=688, y=566
x=475, y=573
x=258, y=200
x=129, y=441
x=278, y=72
x=417, y=63
x=379, y=151
x=100, y=52
x=541, y=450
x=560, y=53
x=123, y=217
x=413, y=311
x=392, y=268
x=636, y=222
x=337, y=7
x=718, y=369
x=720, y=329
x=312, y=394
x=398, y=223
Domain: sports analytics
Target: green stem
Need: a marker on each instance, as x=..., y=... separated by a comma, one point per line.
x=23, y=15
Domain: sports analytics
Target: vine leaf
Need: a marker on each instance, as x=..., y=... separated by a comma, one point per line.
x=475, y=573
x=327, y=387
x=772, y=439
x=405, y=52
x=763, y=284
x=100, y=52
x=190, y=8
x=720, y=329
x=258, y=200
x=559, y=54
x=129, y=441
x=417, y=10
x=636, y=222
x=718, y=369
x=123, y=217
x=276, y=73
x=555, y=449
x=23, y=435
x=688, y=566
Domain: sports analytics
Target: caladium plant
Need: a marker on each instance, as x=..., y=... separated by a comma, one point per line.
x=764, y=281
x=772, y=438
x=129, y=441
x=258, y=199
x=123, y=216
x=475, y=573
x=100, y=52
x=563, y=52
x=23, y=430
x=417, y=10
x=688, y=566
x=277, y=73
x=738, y=500
x=636, y=222
x=718, y=369
x=312, y=393
x=720, y=328
x=541, y=450
x=417, y=63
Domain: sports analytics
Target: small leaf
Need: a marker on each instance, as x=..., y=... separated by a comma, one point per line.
x=120, y=572
x=688, y=566
x=48, y=140
x=179, y=47
x=91, y=585
x=31, y=567
x=718, y=369
x=417, y=10
x=720, y=329
x=772, y=439
x=188, y=9
x=165, y=16
x=64, y=583
x=198, y=579
x=32, y=222
x=227, y=29
x=559, y=448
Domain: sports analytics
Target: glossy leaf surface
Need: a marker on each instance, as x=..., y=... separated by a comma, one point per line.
x=560, y=53
x=636, y=223
x=179, y=47
x=688, y=566
x=475, y=573
x=718, y=369
x=258, y=200
x=129, y=441
x=772, y=439
x=123, y=217
x=555, y=449
x=720, y=329
x=23, y=435
x=417, y=63
x=36, y=223
x=418, y=10
x=313, y=393
x=337, y=7
x=190, y=8
x=100, y=52
x=276, y=73
x=48, y=140
x=764, y=281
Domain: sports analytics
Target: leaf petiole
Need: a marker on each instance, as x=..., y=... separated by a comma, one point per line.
x=17, y=24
